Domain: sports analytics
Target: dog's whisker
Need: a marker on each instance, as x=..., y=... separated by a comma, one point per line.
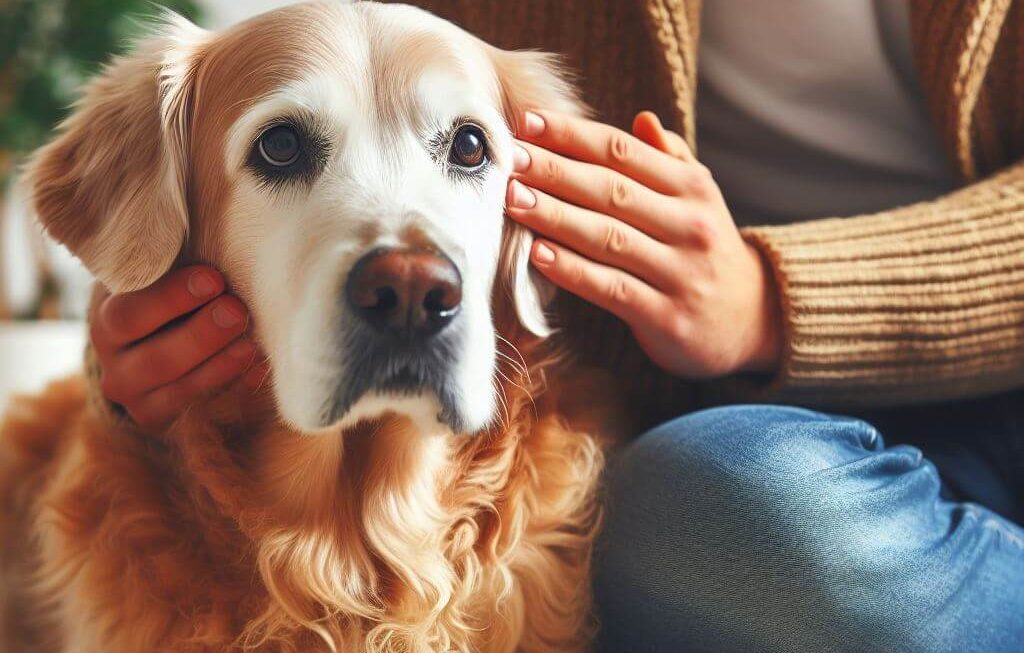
x=517, y=363
x=528, y=394
x=519, y=369
x=520, y=363
x=500, y=393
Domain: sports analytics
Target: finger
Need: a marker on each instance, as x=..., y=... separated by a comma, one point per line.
x=603, y=145
x=648, y=128
x=162, y=405
x=613, y=290
x=594, y=235
x=599, y=189
x=176, y=351
x=126, y=318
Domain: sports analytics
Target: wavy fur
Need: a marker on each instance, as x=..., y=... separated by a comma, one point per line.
x=402, y=543
x=230, y=531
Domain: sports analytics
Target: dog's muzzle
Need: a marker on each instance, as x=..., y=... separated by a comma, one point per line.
x=401, y=334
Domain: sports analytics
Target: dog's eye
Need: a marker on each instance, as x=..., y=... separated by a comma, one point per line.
x=280, y=146
x=469, y=148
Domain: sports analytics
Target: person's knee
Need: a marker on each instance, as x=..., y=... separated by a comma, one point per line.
x=713, y=514
x=735, y=450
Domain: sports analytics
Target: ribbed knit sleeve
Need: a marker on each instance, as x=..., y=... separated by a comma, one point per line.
x=920, y=303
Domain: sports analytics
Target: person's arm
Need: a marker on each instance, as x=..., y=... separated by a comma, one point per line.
x=920, y=303
x=163, y=347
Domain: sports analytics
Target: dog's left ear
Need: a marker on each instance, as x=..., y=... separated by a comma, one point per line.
x=530, y=80
x=110, y=187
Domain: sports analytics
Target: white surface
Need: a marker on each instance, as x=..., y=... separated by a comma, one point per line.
x=221, y=13
x=33, y=353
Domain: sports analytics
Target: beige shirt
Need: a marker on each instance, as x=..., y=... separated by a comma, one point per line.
x=811, y=108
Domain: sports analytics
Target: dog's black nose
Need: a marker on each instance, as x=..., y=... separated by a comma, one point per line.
x=407, y=292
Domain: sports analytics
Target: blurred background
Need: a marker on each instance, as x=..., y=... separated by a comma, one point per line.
x=47, y=49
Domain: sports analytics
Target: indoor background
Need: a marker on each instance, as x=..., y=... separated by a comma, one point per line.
x=47, y=47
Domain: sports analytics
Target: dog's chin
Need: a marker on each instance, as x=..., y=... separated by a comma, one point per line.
x=422, y=409
x=428, y=410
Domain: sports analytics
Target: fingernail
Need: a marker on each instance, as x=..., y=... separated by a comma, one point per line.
x=533, y=124
x=243, y=350
x=543, y=254
x=202, y=284
x=520, y=197
x=227, y=316
x=520, y=158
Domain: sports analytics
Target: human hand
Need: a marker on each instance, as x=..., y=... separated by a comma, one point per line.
x=163, y=347
x=636, y=225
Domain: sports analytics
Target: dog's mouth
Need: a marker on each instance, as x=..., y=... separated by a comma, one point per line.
x=400, y=369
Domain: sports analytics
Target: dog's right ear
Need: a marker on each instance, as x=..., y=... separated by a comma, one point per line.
x=530, y=80
x=111, y=185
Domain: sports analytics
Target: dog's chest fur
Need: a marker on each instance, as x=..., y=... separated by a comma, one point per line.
x=207, y=540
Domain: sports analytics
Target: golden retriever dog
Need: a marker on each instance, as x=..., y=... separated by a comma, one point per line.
x=411, y=478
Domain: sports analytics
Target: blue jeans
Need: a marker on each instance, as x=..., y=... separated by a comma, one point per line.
x=759, y=528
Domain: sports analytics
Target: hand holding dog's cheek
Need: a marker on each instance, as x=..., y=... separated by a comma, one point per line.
x=163, y=347
x=635, y=225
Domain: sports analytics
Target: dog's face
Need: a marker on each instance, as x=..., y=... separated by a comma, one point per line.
x=346, y=167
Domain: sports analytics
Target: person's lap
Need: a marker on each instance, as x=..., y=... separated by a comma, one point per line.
x=757, y=528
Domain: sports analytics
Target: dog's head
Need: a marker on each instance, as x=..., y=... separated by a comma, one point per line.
x=345, y=166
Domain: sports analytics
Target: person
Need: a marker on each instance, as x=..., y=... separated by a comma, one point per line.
x=760, y=527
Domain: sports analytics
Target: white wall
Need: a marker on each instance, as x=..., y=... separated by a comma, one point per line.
x=220, y=13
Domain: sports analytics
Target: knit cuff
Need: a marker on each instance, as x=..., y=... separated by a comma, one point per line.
x=921, y=303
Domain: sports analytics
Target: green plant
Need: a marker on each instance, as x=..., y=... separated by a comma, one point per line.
x=48, y=47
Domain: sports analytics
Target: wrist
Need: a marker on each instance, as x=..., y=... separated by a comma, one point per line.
x=765, y=351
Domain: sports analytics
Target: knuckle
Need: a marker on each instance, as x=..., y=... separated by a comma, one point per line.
x=112, y=388
x=143, y=418
x=615, y=240
x=576, y=275
x=620, y=194
x=700, y=291
x=561, y=129
x=677, y=327
x=620, y=292
x=556, y=215
x=703, y=234
x=98, y=337
x=552, y=170
x=111, y=322
x=620, y=148
x=699, y=181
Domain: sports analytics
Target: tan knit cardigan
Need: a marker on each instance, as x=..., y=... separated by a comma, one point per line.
x=920, y=303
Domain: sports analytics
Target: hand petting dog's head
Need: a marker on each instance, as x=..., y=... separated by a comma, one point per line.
x=346, y=167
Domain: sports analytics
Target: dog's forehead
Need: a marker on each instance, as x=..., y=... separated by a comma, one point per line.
x=370, y=53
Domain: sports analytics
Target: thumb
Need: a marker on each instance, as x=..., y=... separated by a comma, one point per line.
x=648, y=128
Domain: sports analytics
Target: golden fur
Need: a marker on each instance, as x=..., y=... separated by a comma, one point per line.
x=230, y=531
x=234, y=534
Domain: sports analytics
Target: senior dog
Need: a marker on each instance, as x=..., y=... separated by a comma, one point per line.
x=415, y=476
